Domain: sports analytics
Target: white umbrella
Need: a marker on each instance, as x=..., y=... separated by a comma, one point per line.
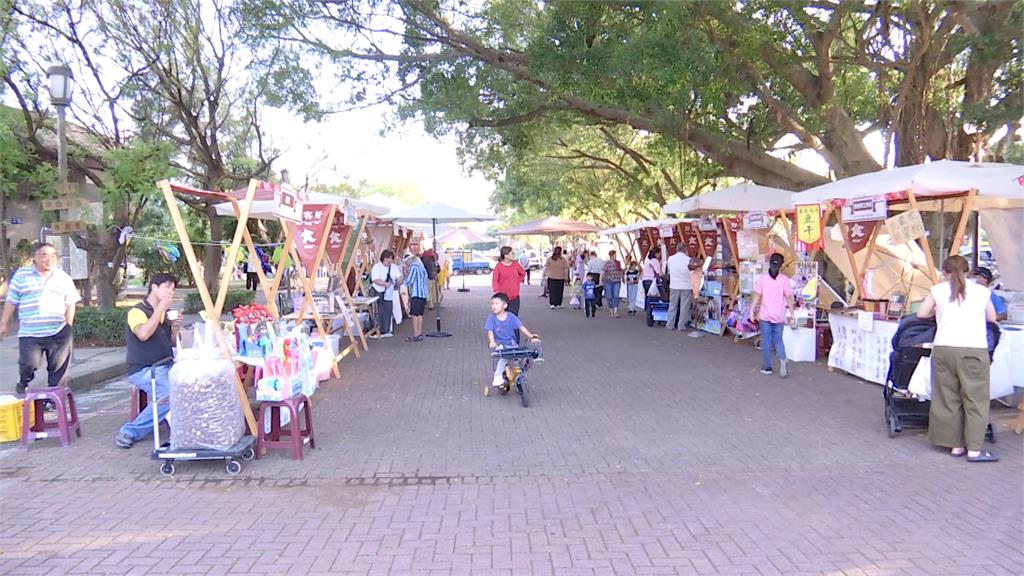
x=434, y=212
x=744, y=197
x=461, y=236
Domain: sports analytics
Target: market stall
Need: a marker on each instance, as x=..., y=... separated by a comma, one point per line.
x=881, y=244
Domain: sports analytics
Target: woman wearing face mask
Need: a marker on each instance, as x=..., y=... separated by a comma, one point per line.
x=772, y=296
x=958, y=414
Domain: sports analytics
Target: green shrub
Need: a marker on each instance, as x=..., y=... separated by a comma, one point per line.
x=100, y=327
x=235, y=298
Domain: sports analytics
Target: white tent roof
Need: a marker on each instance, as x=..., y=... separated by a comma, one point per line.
x=436, y=212
x=264, y=209
x=744, y=197
x=999, y=185
x=643, y=224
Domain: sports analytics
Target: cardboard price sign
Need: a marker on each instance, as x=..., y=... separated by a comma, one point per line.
x=905, y=227
x=310, y=232
x=66, y=203
x=67, y=226
x=336, y=237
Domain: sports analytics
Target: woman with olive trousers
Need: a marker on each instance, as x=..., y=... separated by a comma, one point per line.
x=556, y=270
x=958, y=414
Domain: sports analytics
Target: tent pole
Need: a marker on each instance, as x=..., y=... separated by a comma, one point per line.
x=438, y=333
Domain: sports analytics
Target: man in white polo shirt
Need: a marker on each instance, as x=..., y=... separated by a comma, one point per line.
x=44, y=297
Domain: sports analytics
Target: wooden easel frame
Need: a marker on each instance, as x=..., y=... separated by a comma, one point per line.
x=345, y=266
x=214, y=309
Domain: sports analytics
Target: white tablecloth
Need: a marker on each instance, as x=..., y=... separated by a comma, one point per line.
x=860, y=352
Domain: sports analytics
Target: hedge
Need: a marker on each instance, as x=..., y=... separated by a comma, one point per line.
x=235, y=298
x=100, y=326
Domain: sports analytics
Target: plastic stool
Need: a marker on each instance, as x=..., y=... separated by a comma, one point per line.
x=64, y=401
x=139, y=401
x=294, y=432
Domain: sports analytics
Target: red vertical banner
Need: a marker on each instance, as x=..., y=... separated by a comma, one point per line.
x=310, y=232
x=689, y=236
x=643, y=242
x=336, y=238
x=710, y=238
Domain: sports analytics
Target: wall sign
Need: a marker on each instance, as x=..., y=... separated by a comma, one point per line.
x=865, y=209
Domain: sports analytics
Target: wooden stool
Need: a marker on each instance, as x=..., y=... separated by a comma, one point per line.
x=138, y=403
x=294, y=432
x=64, y=401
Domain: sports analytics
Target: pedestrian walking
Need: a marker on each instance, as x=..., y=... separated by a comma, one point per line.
x=507, y=278
x=772, y=296
x=612, y=273
x=632, y=284
x=556, y=270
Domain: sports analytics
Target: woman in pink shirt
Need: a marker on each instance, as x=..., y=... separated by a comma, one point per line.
x=772, y=296
x=507, y=278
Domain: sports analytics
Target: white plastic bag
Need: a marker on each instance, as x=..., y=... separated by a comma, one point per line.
x=921, y=380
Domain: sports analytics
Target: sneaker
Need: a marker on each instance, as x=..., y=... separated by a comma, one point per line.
x=783, y=372
x=696, y=334
x=123, y=440
x=375, y=336
x=388, y=335
x=552, y=306
x=767, y=371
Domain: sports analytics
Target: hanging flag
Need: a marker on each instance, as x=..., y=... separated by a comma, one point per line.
x=809, y=227
x=689, y=236
x=310, y=232
x=336, y=237
x=859, y=234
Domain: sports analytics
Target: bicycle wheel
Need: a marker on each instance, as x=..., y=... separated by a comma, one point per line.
x=524, y=390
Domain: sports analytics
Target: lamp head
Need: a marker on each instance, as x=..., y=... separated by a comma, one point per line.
x=61, y=81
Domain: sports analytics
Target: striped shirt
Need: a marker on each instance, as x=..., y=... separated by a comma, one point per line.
x=417, y=280
x=41, y=302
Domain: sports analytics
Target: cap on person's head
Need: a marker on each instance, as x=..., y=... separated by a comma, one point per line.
x=984, y=273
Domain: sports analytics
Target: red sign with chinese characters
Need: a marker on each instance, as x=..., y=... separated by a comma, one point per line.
x=310, y=232
x=710, y=238
x=690, y=238
x=336, y=237
x=643, y=241
x=859, y=234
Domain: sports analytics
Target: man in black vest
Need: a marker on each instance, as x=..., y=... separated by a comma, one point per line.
x=150, y=340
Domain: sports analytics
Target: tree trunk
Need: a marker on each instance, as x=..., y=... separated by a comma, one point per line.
x=212, y=257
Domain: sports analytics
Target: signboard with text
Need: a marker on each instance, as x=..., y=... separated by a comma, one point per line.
x=865, y=209
x=309, y=233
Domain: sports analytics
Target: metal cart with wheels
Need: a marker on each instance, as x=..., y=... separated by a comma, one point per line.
x=243, y=450
x=518, y=361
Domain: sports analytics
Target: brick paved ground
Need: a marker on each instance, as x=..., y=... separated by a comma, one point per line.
x=643, y=453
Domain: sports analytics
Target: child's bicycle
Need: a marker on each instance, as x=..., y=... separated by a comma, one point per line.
x=518, y=360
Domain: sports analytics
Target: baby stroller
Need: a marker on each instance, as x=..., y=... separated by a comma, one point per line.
x=903, y=409
x=656, y=307
x=518, y=360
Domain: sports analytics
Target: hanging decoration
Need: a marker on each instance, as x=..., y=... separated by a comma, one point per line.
x=809, y=232
x=168, y=251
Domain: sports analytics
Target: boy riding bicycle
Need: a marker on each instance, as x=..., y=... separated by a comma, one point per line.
x=501, y=327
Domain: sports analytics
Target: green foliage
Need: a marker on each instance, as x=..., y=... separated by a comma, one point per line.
x=100, y=326
x=234, y=299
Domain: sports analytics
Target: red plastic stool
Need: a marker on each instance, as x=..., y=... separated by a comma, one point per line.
x=139, y=401
x=294, y=433
x=67, y=415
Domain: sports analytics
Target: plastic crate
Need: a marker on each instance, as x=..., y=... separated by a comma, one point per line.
x=10, y=418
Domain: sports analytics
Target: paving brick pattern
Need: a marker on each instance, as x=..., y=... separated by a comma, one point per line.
x=644, y=452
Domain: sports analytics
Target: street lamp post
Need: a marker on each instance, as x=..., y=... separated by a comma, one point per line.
x=60, y=78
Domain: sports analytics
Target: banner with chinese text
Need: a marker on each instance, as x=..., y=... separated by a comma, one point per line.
x=310, y=232
x=809, y=232
x=859, y=234
x=336, y=237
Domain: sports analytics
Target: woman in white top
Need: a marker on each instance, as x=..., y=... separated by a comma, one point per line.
x=960, y=362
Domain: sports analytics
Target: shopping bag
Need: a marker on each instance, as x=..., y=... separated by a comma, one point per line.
x=640, y=301
x=574, y=301
x=921, y=380
x=653, y=290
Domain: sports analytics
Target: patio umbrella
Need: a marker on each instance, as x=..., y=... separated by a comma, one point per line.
x=462, y=236
x=550, y=226
x=432, y=213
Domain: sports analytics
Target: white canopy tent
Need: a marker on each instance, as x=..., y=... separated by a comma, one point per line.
x=264, y=209
x=643, y=224
x=746, y=197
x=994, y=190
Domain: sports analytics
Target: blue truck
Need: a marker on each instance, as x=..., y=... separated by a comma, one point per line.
x=463, y=263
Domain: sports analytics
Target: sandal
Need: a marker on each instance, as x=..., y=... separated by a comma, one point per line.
x=983, y=457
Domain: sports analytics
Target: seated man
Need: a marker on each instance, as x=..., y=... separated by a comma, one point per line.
x=150, y=340
x=983, y=276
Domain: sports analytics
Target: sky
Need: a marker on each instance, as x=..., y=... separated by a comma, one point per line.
x=349, y=147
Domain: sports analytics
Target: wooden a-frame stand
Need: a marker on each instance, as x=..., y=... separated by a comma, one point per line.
x=213, y=309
